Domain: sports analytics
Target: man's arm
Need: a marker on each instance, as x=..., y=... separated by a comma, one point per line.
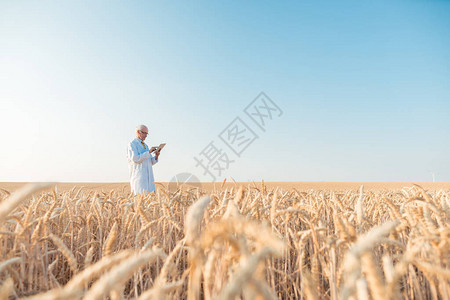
x=134, y=156
x=155, y=158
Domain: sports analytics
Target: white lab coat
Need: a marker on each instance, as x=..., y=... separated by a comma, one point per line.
x=140, y=163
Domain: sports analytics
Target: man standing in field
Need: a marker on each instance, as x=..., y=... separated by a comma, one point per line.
x=140, y=162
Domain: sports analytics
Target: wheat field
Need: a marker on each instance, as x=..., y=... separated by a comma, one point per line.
x=233, y=241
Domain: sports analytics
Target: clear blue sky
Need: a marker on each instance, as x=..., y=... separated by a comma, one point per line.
x=364, y=87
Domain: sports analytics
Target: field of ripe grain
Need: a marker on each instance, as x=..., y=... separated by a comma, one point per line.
x=211, y=186
x=245, y=241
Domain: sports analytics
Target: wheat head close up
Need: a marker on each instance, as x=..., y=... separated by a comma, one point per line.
x=243, y=242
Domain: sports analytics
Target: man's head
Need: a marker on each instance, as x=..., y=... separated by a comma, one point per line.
x=141, y=132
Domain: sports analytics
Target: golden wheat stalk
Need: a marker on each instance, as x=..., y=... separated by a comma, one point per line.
x=121, y=273
x=8, y=205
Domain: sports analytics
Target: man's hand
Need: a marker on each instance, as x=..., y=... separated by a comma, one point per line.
x=152, y=149
x=157, y=154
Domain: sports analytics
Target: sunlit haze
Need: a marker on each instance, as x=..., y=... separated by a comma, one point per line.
x=363, y=89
